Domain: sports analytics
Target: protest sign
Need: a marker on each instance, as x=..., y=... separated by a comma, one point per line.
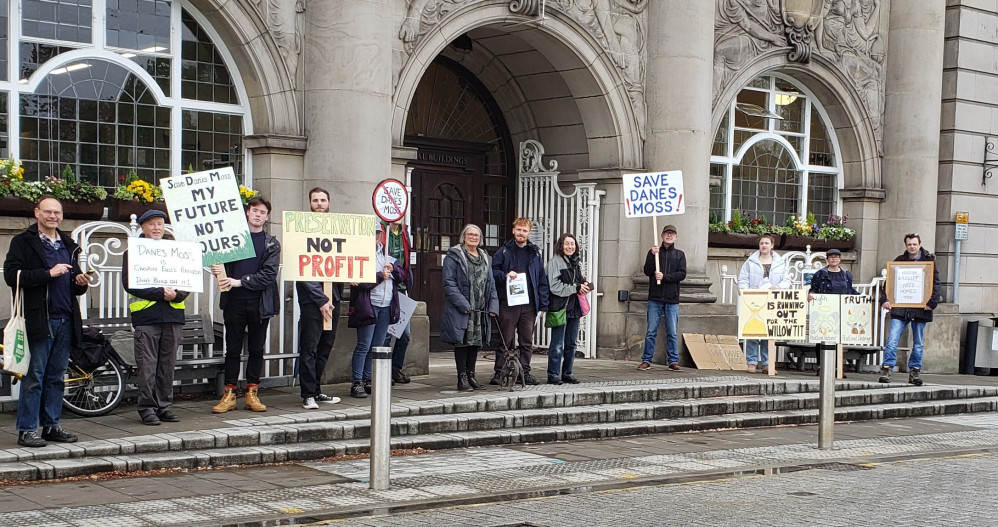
x=857, y=320
x=653, y=194
x=823, y=324
x=772, y=314
x=909, y=284
x=327, y=247
x=164, y=263
x=407, y=307
x=390, y=200
x=205, y=207
x=516, y=290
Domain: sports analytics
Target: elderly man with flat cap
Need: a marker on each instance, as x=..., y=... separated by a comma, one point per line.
x=157, y=317
x=663, y=297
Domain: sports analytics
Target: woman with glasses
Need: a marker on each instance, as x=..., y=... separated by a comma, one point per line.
x=470, y=302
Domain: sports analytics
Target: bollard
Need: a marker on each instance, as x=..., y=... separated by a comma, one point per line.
x=826, y=398
x=381, y=418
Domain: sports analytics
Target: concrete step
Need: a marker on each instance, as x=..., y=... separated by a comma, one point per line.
x=180, y=451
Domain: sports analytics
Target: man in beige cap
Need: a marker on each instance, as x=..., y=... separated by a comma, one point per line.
x=663, y=297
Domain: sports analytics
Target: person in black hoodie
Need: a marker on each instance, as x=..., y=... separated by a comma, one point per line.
x=916, y=316
x=158, y=321
x=50, y=279
x=663, y=297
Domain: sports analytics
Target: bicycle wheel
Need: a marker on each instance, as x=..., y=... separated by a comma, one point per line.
x=93, y=393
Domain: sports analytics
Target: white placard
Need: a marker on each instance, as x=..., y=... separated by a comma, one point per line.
x=406, y=308
x=516, y=290
x=909, y=285
x=165, y=263
x=653, y=194
x=824, y=319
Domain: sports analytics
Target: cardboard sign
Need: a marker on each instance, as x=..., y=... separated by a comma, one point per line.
x=772, y=314
x=715, y=352
x=909, y=284
x=823, y=321
x=165, y=263
x=407, y=307
x=327, y=247
x=653, y=194
x=206, y=207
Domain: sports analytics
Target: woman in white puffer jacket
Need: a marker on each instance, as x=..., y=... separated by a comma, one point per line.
x=764, y=269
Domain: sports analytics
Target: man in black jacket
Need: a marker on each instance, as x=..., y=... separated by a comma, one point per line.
x=918, y=317
x=248, y=301
x=315, y=343
x=663, y=297
x=158, y=321
x=50, y=278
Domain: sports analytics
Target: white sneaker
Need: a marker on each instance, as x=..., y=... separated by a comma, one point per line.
x=309, y=403
x=323, y=398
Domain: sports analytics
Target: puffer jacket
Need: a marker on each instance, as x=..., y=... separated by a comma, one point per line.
x=751, y=274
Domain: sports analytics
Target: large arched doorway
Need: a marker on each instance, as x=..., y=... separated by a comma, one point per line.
x=464, y=172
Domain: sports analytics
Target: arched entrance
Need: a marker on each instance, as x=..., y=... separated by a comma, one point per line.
x=463, y=172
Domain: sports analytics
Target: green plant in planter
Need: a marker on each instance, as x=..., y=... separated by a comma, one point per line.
x=131, y=188
x=716, y=224
x=835, y=229
x=69, y=187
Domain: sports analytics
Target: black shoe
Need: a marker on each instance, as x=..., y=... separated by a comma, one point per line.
x=367, y=387
x=554, y=380
x=494, y=381
x=570, y=379
x=474, y=382
x=530, y=380
x=462, y=383
x=357, y=390
x=400, y=377
x=885, y=375
x=151, y=420
x=56, y=434
x=913, y=376
x=168, y=417
x=30, y=439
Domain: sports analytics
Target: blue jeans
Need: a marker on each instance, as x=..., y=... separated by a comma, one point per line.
x=361, y=364
x=398, y=350
x=894, y=334
x=561, y=350
x=670, y=312
x=753, y=348
x=42, y=388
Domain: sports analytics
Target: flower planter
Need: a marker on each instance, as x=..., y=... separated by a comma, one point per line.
x=733, y=240
x=842, y=245
x=793, y=242
x=122, y=210
x=82, y=210
x=18, y=207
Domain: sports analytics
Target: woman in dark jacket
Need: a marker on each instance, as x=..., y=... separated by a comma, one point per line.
x=832, y=279
x=373, y=307
x=565, y=281
x=470, y=300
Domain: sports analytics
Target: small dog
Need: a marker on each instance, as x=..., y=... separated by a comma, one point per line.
x=512, y=372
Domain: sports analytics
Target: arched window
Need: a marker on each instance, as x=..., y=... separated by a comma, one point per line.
x=774, y=155
x=110, y=86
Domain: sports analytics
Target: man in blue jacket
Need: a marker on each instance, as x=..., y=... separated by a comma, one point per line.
x=515, y=257
x=315, y=343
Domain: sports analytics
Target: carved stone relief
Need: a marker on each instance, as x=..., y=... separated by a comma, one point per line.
x=848, y=33
x=618, y=25
x=285, y=19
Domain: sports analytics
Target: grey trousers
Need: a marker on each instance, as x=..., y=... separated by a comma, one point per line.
x=156, y=356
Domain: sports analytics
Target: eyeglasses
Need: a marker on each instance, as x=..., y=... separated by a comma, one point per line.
x=472, y=235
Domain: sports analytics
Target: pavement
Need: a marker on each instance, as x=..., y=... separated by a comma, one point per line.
x=336, y=489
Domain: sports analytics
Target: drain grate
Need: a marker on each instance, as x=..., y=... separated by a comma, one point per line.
x=840, y=467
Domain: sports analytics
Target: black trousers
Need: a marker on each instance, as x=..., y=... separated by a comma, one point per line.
x=314, y=346
x=465, y=358
x=240, y=319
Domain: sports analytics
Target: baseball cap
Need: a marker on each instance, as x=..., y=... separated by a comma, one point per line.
x=670, y=227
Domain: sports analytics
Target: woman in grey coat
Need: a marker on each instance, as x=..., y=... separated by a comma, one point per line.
x=470, y=300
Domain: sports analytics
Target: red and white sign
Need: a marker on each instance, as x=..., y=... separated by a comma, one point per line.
x=390, y=200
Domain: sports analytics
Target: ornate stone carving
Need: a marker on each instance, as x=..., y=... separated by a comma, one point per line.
x=531, y=152
x=285, y=19
x=620, y=26
x=846, y=32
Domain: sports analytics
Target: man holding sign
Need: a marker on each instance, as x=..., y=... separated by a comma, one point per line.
x=663, y=297
x=916, y=316
x=249, y=299
x=157, y=320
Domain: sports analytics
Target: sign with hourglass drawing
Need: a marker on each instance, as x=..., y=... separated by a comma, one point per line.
x=772, y=314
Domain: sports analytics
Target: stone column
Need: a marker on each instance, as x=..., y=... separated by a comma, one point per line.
x=348, y=91
x=678, y=90
x=911, y=124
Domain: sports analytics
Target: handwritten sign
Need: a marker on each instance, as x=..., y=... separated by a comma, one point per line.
x=390, y=200
x=772, y=314
x=653, y=194
x=205, y=207
x=407, y=307
x=164, y=263
x=824, y=319
x=326, y=247
x=857, y=320
x=909, y=284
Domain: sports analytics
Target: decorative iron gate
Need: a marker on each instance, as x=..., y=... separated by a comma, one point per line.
x=540, y=198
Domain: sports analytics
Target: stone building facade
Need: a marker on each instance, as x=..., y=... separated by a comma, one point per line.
x=879, y=110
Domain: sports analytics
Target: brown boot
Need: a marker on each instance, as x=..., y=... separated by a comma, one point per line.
x=227, y=403
x=252, y=401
